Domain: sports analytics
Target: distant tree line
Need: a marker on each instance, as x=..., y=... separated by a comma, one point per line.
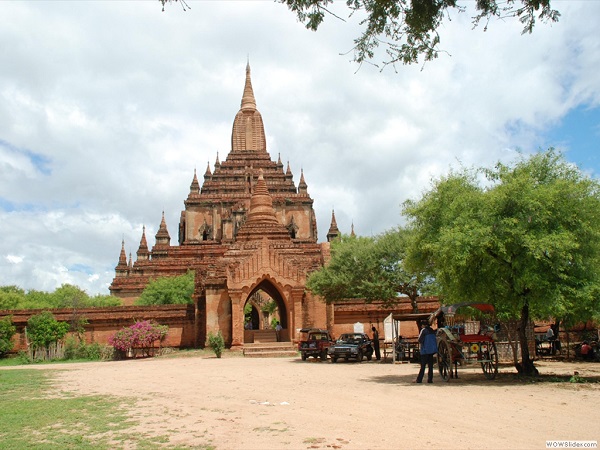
x=66, y=296
x=160, y=291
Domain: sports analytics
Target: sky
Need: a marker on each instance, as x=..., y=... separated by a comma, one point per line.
x=108, y=107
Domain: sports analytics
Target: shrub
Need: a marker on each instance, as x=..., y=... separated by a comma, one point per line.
x=141, y=335
x=7, y=331
x=43, y=330
x=216, y=342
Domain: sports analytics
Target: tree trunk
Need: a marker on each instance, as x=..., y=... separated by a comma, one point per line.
x=526, y=367
x=414, y=303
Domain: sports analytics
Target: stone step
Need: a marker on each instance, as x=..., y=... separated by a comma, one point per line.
x=272, y=354
x=262, y=336
x=270, y=350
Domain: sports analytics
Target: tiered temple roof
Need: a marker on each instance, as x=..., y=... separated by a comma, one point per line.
x=247, y=197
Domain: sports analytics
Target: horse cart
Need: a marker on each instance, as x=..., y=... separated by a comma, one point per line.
x=462, y=340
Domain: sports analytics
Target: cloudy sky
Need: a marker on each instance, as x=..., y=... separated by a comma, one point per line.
x=106, y=108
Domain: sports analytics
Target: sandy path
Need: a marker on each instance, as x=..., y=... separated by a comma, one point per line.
x=223, y=402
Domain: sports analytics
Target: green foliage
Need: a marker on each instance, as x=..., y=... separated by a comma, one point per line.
x=103, y=301
x=530, y=236
x=168, y=291
x=69, y=296
x=577, y=379
x=11, y=297
x=371, y=268
x=76, y=349
x=66, y=296
x=527, y=240
x=7, y=331
x=351, y=263
x=37, y=300
x=216, y=342
x=43, y=329
x=408, y=29
x=269, y=307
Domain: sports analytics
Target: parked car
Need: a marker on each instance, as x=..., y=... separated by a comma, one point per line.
x=315, y=344
x=351, y=345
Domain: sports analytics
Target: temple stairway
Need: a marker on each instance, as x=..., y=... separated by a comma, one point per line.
x=270, y=350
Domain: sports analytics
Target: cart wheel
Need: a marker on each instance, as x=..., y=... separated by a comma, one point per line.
x=490, y=365
x=444, y=360
x=359, y=356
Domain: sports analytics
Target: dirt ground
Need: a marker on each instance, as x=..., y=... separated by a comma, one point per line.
x=248, y=403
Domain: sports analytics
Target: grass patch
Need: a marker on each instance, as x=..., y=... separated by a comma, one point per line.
x=32, y=416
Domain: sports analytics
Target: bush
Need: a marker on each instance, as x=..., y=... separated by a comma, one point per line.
x=7, y=331
x=43, y=330
x=216, y=342
x=141, y=335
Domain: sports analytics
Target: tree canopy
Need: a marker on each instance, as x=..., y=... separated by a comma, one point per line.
x=408, y=29
x=168, y=291
x=525, y=238
x=66, y=296
x=369, y=268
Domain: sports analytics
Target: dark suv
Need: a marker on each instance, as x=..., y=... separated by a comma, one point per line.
x=351, y=345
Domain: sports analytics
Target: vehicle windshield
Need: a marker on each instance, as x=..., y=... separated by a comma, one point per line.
x=318, y=337
x=350, y=339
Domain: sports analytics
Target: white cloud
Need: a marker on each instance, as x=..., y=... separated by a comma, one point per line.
x=13, y=259
x=106, y=109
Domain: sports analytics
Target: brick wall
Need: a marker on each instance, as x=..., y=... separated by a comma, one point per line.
x=104, y=322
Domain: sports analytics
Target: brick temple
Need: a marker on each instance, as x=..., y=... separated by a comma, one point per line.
x=249, y=234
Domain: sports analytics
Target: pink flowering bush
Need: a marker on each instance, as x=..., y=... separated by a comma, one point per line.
x=139, y=336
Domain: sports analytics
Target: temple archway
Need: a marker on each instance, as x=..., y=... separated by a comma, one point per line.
x=264, y=307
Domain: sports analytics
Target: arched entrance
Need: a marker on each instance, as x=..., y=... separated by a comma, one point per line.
x=264, y=308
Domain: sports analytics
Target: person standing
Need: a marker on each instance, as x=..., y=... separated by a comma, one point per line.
x=428, y=348
x=551, y=338
x=376, y=343
x=278, y=329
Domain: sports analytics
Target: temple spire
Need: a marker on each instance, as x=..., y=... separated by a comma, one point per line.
x=142, y=253
x=162, y=236
x=121, y=269
x=333, y=232
x=248, y=101
x=248, y=133
x=261, y=221
x=302, y=186
x=195, y=186
x=122, y=256
x=261, y=203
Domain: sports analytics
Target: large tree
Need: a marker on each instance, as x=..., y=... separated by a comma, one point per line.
x=408, y=29
x=370, y=268
x=525, y=237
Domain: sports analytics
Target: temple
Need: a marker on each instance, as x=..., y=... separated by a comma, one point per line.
x=250, y=236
